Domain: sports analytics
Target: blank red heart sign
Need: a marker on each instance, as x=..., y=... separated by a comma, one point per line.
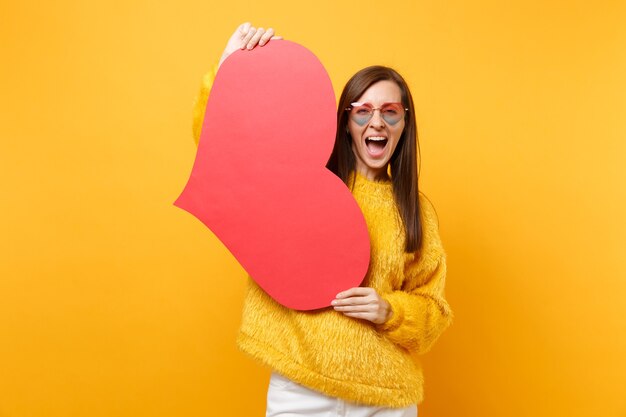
x=259, y=180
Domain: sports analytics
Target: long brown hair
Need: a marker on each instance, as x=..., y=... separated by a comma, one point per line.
x=403, y=162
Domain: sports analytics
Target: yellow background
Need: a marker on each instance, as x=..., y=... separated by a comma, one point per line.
x=116, y=303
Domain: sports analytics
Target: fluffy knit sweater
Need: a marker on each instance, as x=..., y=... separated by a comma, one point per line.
x=348, y=358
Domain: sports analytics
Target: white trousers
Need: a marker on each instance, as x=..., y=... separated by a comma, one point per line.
x=286, y=398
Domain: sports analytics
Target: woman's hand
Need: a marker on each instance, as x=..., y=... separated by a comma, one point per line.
x=363, y=303
x=247, y=36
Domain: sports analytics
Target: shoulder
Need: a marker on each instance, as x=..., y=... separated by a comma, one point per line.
x=427, y=210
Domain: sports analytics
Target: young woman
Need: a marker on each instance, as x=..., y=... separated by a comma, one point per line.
x=359, y=357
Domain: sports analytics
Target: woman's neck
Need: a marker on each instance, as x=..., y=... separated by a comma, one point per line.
x=373, y=174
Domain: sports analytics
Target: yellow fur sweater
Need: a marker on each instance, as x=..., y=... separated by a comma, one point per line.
x=353, y=359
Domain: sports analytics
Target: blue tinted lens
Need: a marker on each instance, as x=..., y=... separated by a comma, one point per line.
x=361, y=114
x=392, y=113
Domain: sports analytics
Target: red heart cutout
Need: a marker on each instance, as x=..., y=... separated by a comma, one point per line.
x=259, y=180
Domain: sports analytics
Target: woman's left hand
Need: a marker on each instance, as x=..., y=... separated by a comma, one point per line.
x=247, y=36
x=363, y=303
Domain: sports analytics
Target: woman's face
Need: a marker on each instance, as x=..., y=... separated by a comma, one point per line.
x=375, y=140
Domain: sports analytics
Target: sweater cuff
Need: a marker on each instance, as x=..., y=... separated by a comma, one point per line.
x=396, y=318
x=199, y=106
x=209, y=77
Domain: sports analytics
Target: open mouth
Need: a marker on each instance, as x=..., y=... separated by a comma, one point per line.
x=375, y=144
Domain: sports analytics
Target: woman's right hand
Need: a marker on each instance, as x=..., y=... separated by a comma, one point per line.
x=247, y=36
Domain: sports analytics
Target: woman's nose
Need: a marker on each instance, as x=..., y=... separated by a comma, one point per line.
x=377, y=119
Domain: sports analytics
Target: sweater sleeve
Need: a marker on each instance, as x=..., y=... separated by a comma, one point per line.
x=199, y=106
x=420, y=311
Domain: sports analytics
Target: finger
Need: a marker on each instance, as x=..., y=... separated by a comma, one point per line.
x=362, y=308
x=244, y=28
x=248, y=36
x=355, y=291
x=350, y=301
x=255, y=39
x=275, y=38
x=266, y=36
